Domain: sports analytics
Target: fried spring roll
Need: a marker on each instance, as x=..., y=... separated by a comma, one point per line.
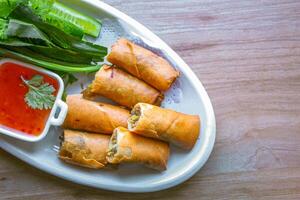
x=125, y=146
x=143, y=64
x=122, y=88
x=84, y=149
x=177, y=128
x=94, y=116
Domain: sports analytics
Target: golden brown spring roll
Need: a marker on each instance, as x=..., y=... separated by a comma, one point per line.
x=121, y=87
x=125, y=146
x=94, y=116
x=177, y=128
x=143, y=64
x=84, y=149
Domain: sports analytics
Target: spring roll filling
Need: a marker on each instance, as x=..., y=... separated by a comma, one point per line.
x=87, y=93
x=69, y=149
x=135, y=116
x=113, y=146
x=66, y=154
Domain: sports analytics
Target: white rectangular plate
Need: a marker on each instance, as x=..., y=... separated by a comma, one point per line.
x=187, y=95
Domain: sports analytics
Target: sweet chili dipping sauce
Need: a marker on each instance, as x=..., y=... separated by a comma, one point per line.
x=14, y=112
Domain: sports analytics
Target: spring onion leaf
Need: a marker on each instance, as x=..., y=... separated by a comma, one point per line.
x=3, y=28
x=18, y=33
x=36, y=59
x=60, y=55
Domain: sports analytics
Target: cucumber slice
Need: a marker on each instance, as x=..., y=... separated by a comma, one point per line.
x=65, y=18
x=89, y=25
x=44, y=10
x=65, y=25
x=41, y=7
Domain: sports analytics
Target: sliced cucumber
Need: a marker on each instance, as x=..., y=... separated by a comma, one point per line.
x=65, y=18
x=62, y=24
x=88, y=24
x=41, y=7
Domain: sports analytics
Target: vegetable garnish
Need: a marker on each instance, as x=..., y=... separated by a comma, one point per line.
x=7, y=6
x=51, y=35
x=65, y=18
x=40, y=95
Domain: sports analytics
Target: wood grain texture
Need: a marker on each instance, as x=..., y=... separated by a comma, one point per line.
x=247, y=55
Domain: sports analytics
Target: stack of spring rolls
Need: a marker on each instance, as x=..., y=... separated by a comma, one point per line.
x=96, y=133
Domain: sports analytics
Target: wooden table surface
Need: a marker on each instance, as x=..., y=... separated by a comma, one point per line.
x=247, y=55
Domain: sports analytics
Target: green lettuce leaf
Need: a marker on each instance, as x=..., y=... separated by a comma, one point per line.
x=7, y=6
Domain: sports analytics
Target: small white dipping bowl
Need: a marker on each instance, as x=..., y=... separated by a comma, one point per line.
x=53, y=119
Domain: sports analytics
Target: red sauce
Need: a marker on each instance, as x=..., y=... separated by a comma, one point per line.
x=14, y=112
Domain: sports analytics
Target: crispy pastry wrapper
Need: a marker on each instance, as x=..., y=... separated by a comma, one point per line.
x=177, y=128
x=143, y=64
x=84, y=149
x=121, y=87
x=94, y=116
x=125, y=147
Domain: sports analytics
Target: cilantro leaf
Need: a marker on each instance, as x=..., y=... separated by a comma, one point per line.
x=36, y=80
x=40, y=95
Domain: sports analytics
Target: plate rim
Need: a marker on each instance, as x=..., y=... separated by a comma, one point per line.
x=197, y=163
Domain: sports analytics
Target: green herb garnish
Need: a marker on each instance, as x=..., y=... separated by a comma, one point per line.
x=51, y=35
x=29, y=33
x=40, y=95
